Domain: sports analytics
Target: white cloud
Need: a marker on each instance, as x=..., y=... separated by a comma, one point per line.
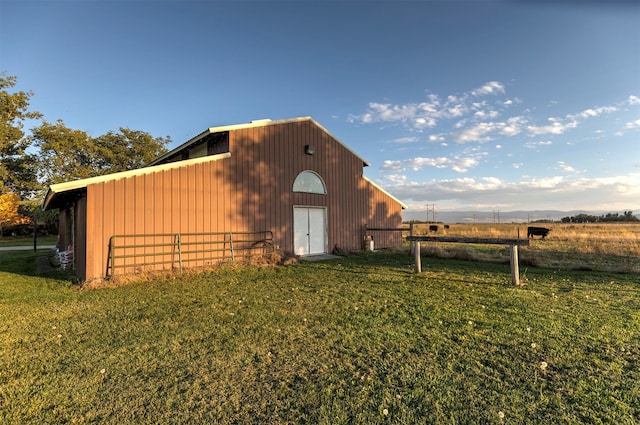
x=412, y=115
x=456, y=110
x=482, y=132
x=533, y=145
x=456, y=163
x=396, y=178
x=418, y=163
x=556, y=192
x=409, y=139
x=566, y=167
x=513, y=126
x=491, y=87
x=552, y=182
x=422, y=115
x=477, y=133
x=462, y=165
x=492, y=182
x=559, y=126
x=483, y=115
x=389, y=165
x=591, y=113
x=474, y=119
x=556, y=127
x=632, y=125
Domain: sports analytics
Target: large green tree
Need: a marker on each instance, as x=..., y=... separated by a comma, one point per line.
x=128, y=149
x=59, y=153
x=16, y=165
x=68, y=154
x=65, y=153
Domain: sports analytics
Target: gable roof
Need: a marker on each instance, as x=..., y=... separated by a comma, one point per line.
x=59, y=193
x=251, y=124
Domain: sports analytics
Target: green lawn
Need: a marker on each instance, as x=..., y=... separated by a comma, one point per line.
x=361, y=339
x=20, y=241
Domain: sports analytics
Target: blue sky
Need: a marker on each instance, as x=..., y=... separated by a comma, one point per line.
x=469, y=105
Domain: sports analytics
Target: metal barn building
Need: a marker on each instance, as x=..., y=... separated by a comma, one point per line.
x=290, y=182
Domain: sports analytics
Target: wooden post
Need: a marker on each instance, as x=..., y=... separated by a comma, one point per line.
x=411, y=234
x=515, y=270
x=416, y=249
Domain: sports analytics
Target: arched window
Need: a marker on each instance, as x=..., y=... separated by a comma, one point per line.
x=309, y=182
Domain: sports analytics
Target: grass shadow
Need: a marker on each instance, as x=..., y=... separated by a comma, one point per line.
x=32, y=263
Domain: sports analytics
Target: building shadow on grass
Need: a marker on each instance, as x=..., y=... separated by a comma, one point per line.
x=32, y=263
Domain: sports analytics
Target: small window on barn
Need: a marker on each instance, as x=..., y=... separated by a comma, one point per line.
x=310, y=182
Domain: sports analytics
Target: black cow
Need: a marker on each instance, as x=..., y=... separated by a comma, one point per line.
x=537, y=231
x=433, y=227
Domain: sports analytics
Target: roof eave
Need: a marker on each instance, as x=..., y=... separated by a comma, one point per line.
x=59, y=188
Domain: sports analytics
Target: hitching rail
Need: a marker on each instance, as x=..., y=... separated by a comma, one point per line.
x=513, y=244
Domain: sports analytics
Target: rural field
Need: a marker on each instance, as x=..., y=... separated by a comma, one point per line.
x=360, y=339
x=598, y=246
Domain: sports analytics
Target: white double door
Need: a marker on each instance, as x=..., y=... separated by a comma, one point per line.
x=309, y=230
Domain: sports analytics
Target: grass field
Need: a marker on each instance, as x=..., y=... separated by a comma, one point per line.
x=20, y=241
x=603, y=246
x=357, y=340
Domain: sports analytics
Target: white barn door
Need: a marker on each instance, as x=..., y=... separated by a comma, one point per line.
x=309, y=230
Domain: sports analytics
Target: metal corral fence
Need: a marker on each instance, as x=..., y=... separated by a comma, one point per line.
x=134, y=253
x=371, y=234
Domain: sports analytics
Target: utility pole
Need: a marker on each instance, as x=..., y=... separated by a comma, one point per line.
x=433, y=212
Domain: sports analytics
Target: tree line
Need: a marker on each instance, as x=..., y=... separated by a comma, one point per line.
x=627, y=216
x=51, y=152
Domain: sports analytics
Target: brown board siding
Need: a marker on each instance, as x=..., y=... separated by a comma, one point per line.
x=381, y=215
x=249, y=191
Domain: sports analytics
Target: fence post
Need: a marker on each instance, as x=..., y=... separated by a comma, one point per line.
x=416, y=250
x=515, y=270
x=411, y=234
x=110, y=258
x=231, y=246
x=179, y=252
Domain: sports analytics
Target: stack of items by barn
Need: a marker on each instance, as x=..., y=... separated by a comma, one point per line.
x=66, y=258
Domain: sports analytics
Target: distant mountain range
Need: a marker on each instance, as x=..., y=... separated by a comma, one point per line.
x=494, y=216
